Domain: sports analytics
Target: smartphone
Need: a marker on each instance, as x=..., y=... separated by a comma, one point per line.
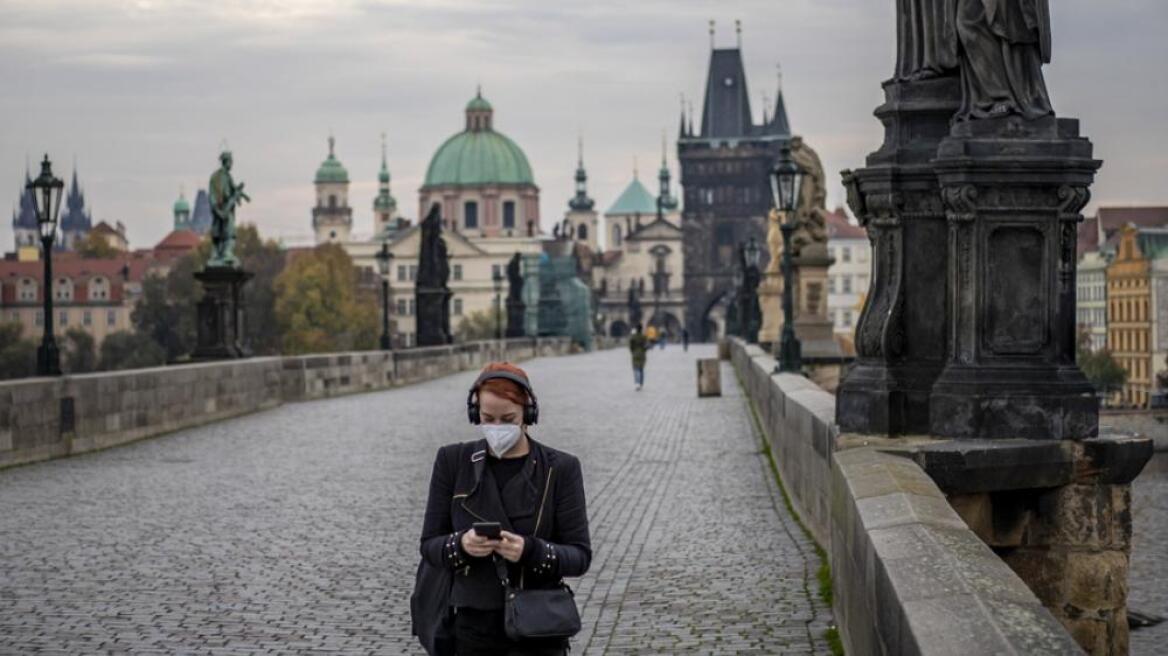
x=488, y=529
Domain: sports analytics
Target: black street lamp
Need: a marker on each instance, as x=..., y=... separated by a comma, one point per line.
x=786, y=185
x=751, y=276
x=47, y=191
x=497, y=279
x=384, y=258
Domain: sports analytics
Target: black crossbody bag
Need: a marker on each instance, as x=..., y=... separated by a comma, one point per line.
x=541, y=613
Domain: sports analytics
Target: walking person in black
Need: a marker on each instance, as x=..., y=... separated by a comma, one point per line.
x=536, y=495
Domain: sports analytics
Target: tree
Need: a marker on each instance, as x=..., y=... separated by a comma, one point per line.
x=165, y=317
x=130, y=350
x=1100, y=367
x=94, y=246
x=17, y=356
x=78, y=351
x=479, y=325
x=317, y=306
x=265, y=259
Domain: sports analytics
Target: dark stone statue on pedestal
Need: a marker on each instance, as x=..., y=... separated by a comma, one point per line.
x=634, y=304
x=516, y=310
x=219, y=323
x=432, y=294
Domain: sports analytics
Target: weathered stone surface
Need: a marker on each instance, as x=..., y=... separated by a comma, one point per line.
x=709, y=377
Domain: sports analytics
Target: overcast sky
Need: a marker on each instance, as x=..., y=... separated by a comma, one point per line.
x=143, y=92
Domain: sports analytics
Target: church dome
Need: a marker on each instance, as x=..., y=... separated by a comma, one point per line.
x=331, y=170
x=181, y=205
x=478, y=155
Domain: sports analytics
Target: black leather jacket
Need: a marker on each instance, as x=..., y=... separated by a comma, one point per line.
x=463, y=491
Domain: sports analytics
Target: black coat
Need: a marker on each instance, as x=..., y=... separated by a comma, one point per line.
x=558, y=536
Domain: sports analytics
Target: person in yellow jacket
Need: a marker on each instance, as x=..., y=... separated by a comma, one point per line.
x=651, y=335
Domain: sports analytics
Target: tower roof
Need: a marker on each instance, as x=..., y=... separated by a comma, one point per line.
x=635, y=199
x=24, y=215
x=726, y=111
x=581, y=202
x=75, y=217
x=181, y=205
x=331, y=170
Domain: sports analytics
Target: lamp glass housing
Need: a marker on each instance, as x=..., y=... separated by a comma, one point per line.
x=47, y=192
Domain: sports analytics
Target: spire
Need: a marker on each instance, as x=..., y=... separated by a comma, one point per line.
x=681, y=127
x=765, y=102
x=383, y=175
x=665, y=199
x=738, y=33
x=332, y=143
x=689, y=128
x=711, y=34
x=779, y=124
x=635, y=167
x=581, y=202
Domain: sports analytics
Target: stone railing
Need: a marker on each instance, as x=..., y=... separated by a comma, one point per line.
x=42, y=418
x=909, y=575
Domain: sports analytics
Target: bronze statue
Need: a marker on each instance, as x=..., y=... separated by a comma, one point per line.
x=225, y=195
x=1003, y=45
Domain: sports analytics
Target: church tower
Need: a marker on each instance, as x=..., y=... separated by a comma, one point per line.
x=182, y=212
x=582, y=222
x=75, y=221
x=24, y=219
x=332, y=218
x=384, y=205
x=724, y=169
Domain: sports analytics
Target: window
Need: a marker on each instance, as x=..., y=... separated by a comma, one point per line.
x=582, y=232
x=470, y=214
x=457, y=306
x=111, y=318
x=98, y=289
x=846, y=284
x=87, y=318
x=40, y=318
x=846, y=253
x=458, y=272
x=413, y=272
x=332, y=201
x=401, y=273
x=28, y=289
x=413, y=307
x=616, y=236
x=63, y=318
x=847, y=318
x=508, y=214
x=401, y=306
x=496, y=271
x=831, y=284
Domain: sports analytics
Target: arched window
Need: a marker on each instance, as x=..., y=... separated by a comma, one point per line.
x=99, y=289
x=332, y=201
x=63, y=289
x=470, y=213
x=582, y=232
x=508, y=214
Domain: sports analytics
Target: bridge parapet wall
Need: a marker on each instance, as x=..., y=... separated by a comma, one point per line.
x=909, y=575
x=43, y=418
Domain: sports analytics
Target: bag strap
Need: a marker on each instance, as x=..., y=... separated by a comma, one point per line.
x=500, y=563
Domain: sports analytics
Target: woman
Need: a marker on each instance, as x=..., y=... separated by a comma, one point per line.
x=536, y=494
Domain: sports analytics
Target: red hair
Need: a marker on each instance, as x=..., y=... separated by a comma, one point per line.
x=502, y=387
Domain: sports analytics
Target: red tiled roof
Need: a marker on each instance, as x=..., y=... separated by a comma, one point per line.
x=179, y=240
x=839, y=227
x=79, y=270
x=1114, y=218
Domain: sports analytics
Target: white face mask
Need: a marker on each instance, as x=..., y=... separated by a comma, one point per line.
x=500, y=437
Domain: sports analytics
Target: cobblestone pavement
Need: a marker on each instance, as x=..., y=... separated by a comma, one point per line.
x=1149, y=561
x=295, y=530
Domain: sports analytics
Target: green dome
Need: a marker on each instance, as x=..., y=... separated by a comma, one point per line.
x=181, y=205
x=331, y=169
x=478, y=104
x=478, y=157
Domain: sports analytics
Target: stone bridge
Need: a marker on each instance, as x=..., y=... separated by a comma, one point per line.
x=276, y=511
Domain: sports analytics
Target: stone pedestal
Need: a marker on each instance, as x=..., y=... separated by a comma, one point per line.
x=219, y=321
x=813, y=327
x=516, y=313
x=770, y=301
x=433, y=316
x=901, y=337
x=1013, y=190
x=1059, y=514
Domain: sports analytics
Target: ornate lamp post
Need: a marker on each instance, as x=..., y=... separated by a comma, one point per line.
x=384, y=258
x=47, y=191
x=750, y=316
x=497, y=279
x=786, y=183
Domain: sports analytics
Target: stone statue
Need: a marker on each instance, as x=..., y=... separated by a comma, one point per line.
x=634, y=306
x=774, y=240
x=810, y=216
x=514, y=278
x=430, y=290
x=1002, y=47
x=225, y=196
x=924, y=48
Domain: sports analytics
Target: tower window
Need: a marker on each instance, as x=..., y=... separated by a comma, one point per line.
x=582, y=232
x=508, y=214
x=332, y=200
x=470, y=213
x=616, y=236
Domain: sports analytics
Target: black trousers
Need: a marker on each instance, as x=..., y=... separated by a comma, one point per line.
x=481, y=633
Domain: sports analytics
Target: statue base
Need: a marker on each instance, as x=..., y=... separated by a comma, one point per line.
x=433, y=316
x=220, y=314
x=815, y=330
x=770, y=301
x=516, y=316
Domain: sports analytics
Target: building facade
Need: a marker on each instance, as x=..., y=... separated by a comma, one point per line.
x=1130, y=319
x=332, y=218
x=1091, y=298
x=726, y=193
x=848, y=275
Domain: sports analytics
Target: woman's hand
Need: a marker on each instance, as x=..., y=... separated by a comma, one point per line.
x=510, y=547
x=478, y=545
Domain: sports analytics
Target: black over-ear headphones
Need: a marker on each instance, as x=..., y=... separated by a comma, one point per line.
x=530, y=407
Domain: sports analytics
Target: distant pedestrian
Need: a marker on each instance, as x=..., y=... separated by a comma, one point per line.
x=662, y=337
x=685, y=339
x=639, y=346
